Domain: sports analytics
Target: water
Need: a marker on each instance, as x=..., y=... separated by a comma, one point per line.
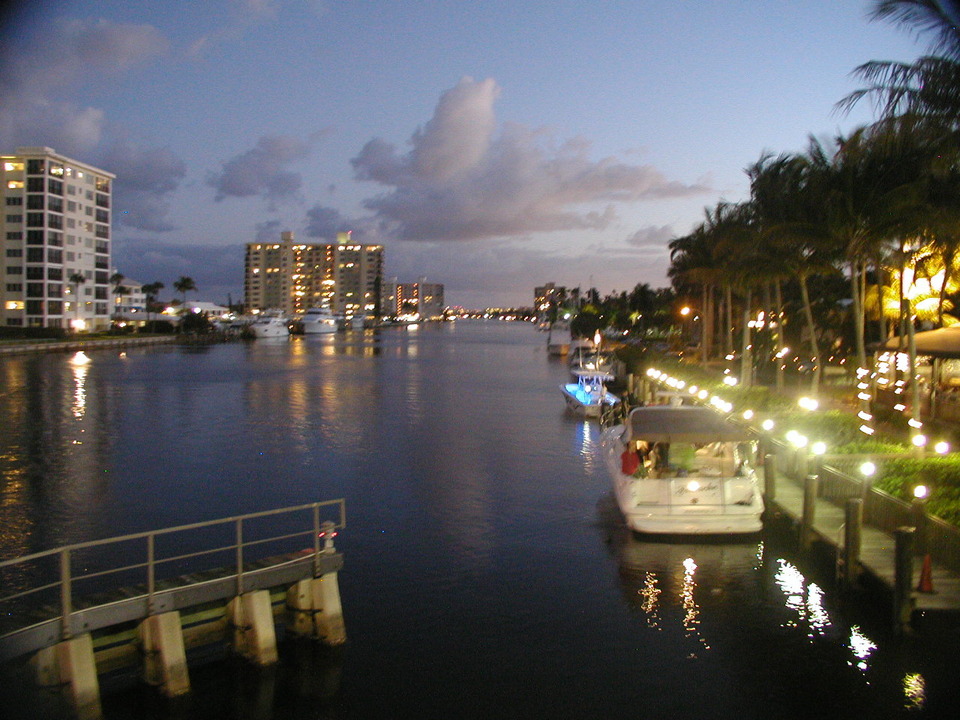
x=487, y=573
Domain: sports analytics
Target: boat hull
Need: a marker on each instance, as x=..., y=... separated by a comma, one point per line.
x=582, y=404
x=692, y=504
x=319, y=328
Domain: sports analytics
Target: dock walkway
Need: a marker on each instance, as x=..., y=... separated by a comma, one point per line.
x=876, y=552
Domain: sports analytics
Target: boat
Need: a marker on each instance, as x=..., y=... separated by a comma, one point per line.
x=269, y=326
x=559, y=339
x=683, y=470
x=318, y=321
x=587, y=394
x=591, y=360
x=357, y=322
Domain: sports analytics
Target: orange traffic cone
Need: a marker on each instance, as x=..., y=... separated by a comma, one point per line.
x=926, y=576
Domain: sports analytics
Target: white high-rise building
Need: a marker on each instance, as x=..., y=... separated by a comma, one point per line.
x=293, y=277
x=56, y=259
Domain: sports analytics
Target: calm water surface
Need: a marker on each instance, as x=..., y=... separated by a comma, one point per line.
x=487, y=573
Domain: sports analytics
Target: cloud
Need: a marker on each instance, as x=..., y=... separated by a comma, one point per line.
x=35, y=68
x=652, y=238
x=216, y=269
x=261, y=171
x=144, y=179
x=464, y=180
x=269, y=231
x=326, y=222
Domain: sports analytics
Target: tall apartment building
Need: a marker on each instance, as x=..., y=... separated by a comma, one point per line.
x=55, y=265
x=420, y=300
x=293, y=277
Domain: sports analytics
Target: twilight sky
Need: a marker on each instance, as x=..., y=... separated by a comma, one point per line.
x=491, y=146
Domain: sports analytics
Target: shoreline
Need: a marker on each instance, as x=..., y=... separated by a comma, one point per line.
x=27, y=346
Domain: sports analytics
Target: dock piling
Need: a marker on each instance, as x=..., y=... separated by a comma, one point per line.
x=254, y=634
x=811, y=488
x=903, y=578
x=769, y=478
x=70, y=665
x=852, y=538
x=164, y=655
x=316, y=609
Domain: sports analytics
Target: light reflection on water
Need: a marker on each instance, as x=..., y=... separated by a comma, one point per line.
x=486, y=575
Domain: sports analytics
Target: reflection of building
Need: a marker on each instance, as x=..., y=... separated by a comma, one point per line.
x=293, y=277
x=419, y=300
x=56, y=225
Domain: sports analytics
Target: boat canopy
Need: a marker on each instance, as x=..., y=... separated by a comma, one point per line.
x=683, y=424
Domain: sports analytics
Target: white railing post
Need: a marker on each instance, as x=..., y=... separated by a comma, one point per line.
x=151, y=573
x=66, y=595
x=316, y=539
x=239, y=556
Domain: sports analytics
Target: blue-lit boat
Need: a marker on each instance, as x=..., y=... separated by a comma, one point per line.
x=587, y=395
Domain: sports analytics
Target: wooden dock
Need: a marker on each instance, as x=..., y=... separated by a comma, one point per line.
x=877, y=549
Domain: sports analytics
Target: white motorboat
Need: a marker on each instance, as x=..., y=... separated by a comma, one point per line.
x=587, y=395
x=269, y=326
x=318, y=321
x=559, y=339
x=357, y=322
x=683, y=470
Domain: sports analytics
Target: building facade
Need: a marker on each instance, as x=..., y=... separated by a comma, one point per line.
x=413, y=301
x=293, y=277
x=55, y=265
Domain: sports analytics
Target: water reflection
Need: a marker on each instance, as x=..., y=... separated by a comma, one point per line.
x=862, y=648
x=805, y=599
x=914, y=691
x=670, y=582
x=80, y=390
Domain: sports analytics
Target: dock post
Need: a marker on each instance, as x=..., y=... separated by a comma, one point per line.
x=902, y=578
x=852, y=536
x=317, y=613
x=254, y=634
x=70, y=665
x=811, y=487
x=769, y=478
x=164, y=656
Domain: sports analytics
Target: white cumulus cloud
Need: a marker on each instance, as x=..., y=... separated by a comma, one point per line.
x=464, y=178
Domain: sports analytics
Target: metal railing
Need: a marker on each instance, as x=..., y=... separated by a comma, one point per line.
x=880, y=510
x=160, y=561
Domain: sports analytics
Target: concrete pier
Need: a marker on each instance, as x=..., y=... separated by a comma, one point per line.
x=254, y=635
x=151, y=626
x=317, y=613
x=70, y=666
x=164, y=654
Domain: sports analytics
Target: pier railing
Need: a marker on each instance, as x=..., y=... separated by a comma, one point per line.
x=49, y=596
x=880, y=510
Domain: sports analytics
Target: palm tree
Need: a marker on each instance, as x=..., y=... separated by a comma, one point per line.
x=150, y=292
x=928, y=89
x=183, y=285
x=77, y=279
x=789, y=198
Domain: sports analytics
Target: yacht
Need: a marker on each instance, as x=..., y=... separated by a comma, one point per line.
x=269, y=326
x=318, y=321
x=683, y=470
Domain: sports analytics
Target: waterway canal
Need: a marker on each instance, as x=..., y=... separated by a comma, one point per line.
x=487, y=572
